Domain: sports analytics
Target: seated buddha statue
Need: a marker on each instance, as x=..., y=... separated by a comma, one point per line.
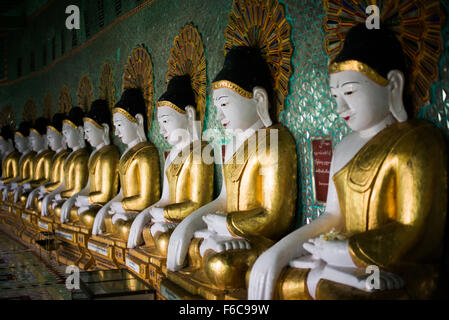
x=56, y=143
x=139, y=171
x=41, y=164
x=188, y=180
x=10, y=157
x=25, y=162
x=102, y=183
x=256, y=205
x=387, y=199
x=75, y=167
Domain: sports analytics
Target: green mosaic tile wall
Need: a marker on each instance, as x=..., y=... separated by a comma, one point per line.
x=309, y=111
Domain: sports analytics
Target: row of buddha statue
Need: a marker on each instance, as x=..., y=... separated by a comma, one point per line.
x=387, y=196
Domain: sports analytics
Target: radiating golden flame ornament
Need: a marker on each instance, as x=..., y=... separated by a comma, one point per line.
x=138, y=73
x=7, y=116
x=187, y=57
x=64, y=100
x=47, y=107
x=85, y=93
x=417, y=24
x=29, y=111
x=107, y=88
x=262, y=24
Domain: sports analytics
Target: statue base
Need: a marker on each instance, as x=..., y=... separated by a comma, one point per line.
x=108, y=252
x=196, y=283
x=155, y=262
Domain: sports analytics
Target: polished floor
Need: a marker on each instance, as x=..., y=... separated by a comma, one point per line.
x=27, y=275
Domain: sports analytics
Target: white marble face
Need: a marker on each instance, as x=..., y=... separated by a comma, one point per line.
x=234, y=111
x=173, y=125
x=125, y=129
x=54, y=140
x=361, y=102
x=21, y=143
x=71, y=135
x=3, y=145
x=36, y=142
x=92, y=134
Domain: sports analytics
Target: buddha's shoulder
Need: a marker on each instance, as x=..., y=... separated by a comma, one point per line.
x=281, y=135
x=418, y=131
x=144, y=149
x=110, y=150
x=81, y=153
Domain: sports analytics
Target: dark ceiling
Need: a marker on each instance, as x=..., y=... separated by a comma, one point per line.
x=6, y=5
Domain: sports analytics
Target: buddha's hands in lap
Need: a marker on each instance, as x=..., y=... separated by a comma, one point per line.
x=157, y=214
x=82, y=201
x=41, y=192
x=216, y=223
x=331, y=260
x=119, y=213
x=135, y=233
x=217, y=236
x=98, y=226
x=334, y=252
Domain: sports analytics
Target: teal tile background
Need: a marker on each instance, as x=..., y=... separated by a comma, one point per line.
x=309, y=111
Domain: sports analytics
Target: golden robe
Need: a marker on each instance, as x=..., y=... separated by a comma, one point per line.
x=42, y=168
x=191, y=186
x=393, y=197
x=10, y=167
x=261, y=188
x=103, y=182
x=75, y=177
x=139, y=173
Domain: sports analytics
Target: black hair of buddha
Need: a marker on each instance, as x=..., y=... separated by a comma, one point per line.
x=100, y=112
x=378, y=48
x=76, y=115
x=7, y=132
x=246, y=67
x=57, y=121
x=24, y=128
x=179, y=92
x=133, y=102
x=40, y=125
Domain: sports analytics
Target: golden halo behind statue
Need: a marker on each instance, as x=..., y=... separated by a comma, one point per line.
x=85, y=93
x=417, y=24
x=47, y=107
x=29, y=111
x=262, y=24
x=187, y=57
x=138, y=73
x=7, y=116
x=64, y=100
x=107, y=88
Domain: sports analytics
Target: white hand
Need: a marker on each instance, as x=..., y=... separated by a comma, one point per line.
x=65, y=210
x=82, y=201
x=334, y=252
x=157, y=214
x=135, y=233
x=217, y=223
x=58, y=197
x=179, y=243
x=219, y=243
x=162, y=227
x=122, y=216
x=27, y=186
x=117, y=207
x=98, y=226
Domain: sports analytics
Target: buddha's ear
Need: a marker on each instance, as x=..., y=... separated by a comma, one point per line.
x=106, y=138
x=140, y=127
x=396, y=82
x=190, y=111
x=194, y=125
x=260, y=97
